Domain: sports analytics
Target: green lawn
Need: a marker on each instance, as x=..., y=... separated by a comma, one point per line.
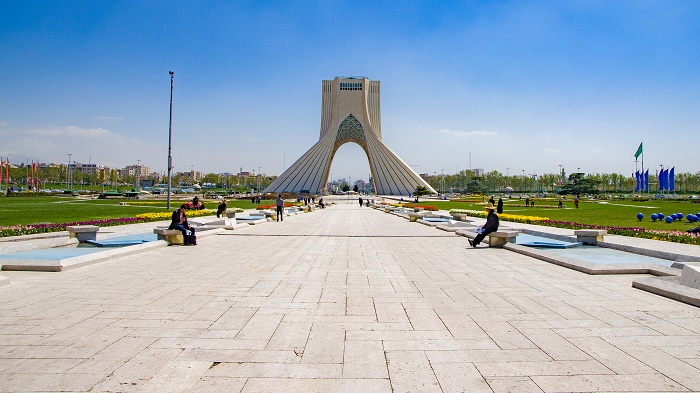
x=606, y=213
x=59, y=209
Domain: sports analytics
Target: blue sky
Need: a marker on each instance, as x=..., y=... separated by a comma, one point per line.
x=519, y=85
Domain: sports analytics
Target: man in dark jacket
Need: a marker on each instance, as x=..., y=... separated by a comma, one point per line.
x=490, y=226
x=279, y=205
x=179, y=222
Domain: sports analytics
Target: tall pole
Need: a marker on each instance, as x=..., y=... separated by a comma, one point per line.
x=442, y=181
x=68, y=180
x=170, y=138
x=259, y=180
x=138, y=176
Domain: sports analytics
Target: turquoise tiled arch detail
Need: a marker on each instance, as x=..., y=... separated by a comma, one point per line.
x=350, y=130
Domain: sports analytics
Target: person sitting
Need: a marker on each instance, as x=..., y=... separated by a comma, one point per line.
x=195, y=204
x=490, y=226
x=321, y=203
x=221, y=209
x=179, y=222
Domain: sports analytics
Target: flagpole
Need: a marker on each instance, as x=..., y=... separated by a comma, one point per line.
x=636, y=175
x=647, y=186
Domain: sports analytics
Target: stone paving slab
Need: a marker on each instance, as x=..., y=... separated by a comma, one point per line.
x=342, y=299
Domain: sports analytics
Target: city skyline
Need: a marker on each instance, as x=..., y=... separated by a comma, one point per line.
x=465, y=85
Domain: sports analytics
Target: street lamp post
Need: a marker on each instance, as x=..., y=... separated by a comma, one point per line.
x=68, y=180
x=170, y=138
x=442, y=181
x=138, y=176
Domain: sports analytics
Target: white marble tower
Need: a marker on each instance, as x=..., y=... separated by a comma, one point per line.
x=350, y=113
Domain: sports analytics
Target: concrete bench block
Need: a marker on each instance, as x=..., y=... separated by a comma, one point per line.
x=459, y=224
x=459, y=216
x=172, y=236
x=690, y=277
x=413, y=217
x=590, y=236
x=230, y=214
x=500, y=238
x=83, y=232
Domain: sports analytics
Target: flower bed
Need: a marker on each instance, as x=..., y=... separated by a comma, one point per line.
x=426, y=207
x=265, y=207
x=670, y=236
x=19, y=230
x=147, y=217
x=505, y=216
x=538, y=206
x=146, y=203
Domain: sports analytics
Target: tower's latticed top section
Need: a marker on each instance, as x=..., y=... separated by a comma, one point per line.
x=350, y=112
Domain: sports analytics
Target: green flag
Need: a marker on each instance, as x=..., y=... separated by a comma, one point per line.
x=639, y=150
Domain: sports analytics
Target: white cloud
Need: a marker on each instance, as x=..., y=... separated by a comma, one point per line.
x=462, y=134
x=550, y=150
x=70, y=131
x=98, y=145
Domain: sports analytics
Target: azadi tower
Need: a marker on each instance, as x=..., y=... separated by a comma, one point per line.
x=350, y=113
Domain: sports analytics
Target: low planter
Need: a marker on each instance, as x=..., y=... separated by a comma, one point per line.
x=459, y=216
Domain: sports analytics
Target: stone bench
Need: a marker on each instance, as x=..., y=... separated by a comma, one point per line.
x=590, y=236
x=172, y=236
x=413, y=217
x=500, y=238
x=690, y=277
x=459, y=216
x=83, y=232
x=230, y=213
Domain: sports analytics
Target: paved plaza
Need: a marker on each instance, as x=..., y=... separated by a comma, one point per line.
x=344, y=299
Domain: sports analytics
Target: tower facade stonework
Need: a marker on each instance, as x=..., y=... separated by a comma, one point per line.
x=350, y=112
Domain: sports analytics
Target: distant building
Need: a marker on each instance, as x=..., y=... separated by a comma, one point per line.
x=191, y=176
x=88, y=169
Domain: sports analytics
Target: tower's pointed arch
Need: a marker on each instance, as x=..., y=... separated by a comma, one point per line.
x=350, y=114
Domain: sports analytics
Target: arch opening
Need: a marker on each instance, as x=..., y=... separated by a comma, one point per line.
x=349, y=162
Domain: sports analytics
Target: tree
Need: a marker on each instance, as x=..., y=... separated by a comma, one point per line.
x=355, y=188
x=578, y=184
x=345, y=187
x=474, y=186
x=420, y=191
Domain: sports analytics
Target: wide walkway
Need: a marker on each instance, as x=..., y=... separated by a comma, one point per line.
x=342, y=299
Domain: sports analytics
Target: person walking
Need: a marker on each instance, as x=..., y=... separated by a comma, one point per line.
x=360, y=201
x=490, y=226
x=279, y=203
x=576, y=200
x=179, y=222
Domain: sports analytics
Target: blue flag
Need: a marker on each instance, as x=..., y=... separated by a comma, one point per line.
x=638, y=181
x=646, y=181
x=672, y=179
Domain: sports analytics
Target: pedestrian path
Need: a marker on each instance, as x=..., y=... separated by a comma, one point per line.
x=341, y=299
